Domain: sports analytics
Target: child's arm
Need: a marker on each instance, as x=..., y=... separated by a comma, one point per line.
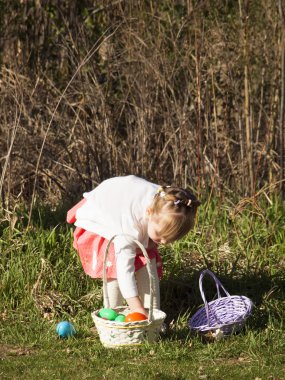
x=126, y=278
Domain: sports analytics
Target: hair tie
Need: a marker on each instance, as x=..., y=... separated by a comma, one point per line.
x=188, y=203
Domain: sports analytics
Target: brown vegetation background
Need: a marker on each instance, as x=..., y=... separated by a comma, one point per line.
x=187, y=92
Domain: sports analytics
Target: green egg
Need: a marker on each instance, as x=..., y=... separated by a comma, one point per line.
x=109, y=314
x=120, y=318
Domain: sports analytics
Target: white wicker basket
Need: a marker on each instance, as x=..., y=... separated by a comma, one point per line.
x=115, y=334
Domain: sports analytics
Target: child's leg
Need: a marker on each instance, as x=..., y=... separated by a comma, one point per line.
x=114, y=293
x=143, y=285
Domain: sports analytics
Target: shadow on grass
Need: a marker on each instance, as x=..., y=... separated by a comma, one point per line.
x=181, y=296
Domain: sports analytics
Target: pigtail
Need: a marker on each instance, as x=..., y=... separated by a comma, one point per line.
x=178, y=196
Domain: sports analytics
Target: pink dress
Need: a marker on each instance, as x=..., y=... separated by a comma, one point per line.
x=91, y=248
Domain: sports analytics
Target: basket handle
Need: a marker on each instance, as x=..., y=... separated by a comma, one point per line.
x=150, y=275
x=218, y=286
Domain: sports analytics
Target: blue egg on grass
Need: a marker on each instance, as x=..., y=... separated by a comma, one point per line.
x=65, y=329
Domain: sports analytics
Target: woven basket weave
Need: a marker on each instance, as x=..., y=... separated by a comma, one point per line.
x=224, y=316
x=115, y=334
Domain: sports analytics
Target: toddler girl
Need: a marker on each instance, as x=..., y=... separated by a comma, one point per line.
x=150, y=214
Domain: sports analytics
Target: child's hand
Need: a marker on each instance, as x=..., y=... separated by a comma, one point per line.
x=136, y=305
x=140, y=310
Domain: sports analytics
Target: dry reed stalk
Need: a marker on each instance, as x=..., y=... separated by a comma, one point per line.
x=243, y=18
x=215, y=122
x=198, y=115
x=282, y=99
x=8, y=156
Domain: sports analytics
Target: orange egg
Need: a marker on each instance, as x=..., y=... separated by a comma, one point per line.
x=134, y=317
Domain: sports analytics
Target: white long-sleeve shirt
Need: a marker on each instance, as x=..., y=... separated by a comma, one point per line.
x=119, y=206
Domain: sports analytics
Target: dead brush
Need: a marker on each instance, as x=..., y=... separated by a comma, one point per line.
x=162, y=92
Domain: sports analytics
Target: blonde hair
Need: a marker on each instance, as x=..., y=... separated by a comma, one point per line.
x=176, y=208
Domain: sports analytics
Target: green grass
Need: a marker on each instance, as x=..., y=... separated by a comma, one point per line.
x=42, y=283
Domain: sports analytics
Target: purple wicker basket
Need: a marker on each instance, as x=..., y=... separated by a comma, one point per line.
x=225, y=315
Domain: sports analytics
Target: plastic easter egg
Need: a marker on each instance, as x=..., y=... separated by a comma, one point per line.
x=120, y=318
x=109, y=314
x=65, y=329
x=135, y=317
